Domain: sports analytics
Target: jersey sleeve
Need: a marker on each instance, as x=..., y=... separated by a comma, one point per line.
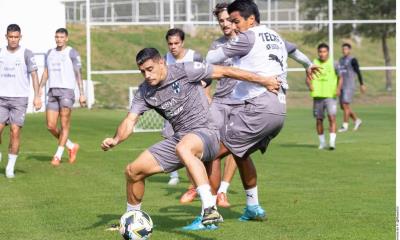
x=236, y=47
x=30, y=61
x=197, y=71
x=356, y=68
x=139, y=105
x=76, y=59
x=290, y=47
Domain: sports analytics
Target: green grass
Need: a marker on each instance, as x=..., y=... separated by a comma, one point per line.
x=309, y=194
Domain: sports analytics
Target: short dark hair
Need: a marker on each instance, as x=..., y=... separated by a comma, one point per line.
x=246, y=8
x=346, y=45
x=13, y=28
x=175, y=32
x=147, y=54
x=323, y=45
x=62, y=30
x=220, y=7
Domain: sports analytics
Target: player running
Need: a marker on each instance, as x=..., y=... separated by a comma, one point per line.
x=16, y=64
x=176, y=93
x=349, y=67
x=324, y=89
x=63, y=71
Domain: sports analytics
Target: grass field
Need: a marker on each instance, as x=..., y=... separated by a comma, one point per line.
x=309, y=194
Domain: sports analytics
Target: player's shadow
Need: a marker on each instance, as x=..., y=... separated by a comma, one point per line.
x=105, y=220
x=41, y=158
x=297, y=145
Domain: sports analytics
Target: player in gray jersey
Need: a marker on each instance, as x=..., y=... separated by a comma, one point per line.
x=63, y=72
x=175, y=92
x=16, y=64
x=349, y=68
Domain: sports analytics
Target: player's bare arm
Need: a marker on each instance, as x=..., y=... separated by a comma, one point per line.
x=271, y=82
x=78, y=76
x=124, y=130
x=43, y=81
x=340, y=84
x=37, y=101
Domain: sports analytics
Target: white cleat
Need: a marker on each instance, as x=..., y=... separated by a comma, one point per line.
x=321, y=146
x=10, y=175
x=343, y=129
x=173, y=181
x=332, y=146
x=357, y=124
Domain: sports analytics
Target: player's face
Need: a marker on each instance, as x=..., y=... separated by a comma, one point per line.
x=346, y=51
x=13, y=39
x=61, y=39
x=240, y=23
x=175, y=45
x=152, y=71
x=225, y=24
x=323, y=54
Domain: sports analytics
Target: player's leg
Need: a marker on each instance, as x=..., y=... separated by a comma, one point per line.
x=191, y=192
x=4, y=116
x=331, y=108
x=318, y=111
x=2, y=126
x=229, y=171
x=64, y=115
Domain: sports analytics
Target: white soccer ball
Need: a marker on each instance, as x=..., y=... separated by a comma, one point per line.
x=136, y=225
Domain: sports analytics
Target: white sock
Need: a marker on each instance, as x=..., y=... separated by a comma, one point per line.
x=174, y=174
x=223, y=188
x=59, y=152
x=206, y=197
x=69, y=144
x=0, y=156
x=321, y=139
x=345, y=125
x=332, y=138
x=130, y=207
x=12, y=158
x=252, y=196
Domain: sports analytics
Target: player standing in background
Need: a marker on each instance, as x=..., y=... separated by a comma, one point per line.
x=324, y=89
x=176, y=93
x=63, y=71
x=16, y=63
x=349, y=67
x=177, y=53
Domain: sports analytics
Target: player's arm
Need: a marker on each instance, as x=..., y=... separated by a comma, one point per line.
x=356, y=67
x=123, y=131
x=301, y=58
x=32, y=69
x=77, y=66
x=271, y=83
x=339, y=84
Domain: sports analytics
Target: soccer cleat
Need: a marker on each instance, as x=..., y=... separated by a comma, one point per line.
x=188, y=196
x=196, y=225
x=343, y=129
x=73, y=152
x=357, y=125
x=173, y=181
x=211, y=216
x=10, y=174
x=321, y=146
x=222, y=200
x=55, y=161
x=332, y=146
x=253, y=213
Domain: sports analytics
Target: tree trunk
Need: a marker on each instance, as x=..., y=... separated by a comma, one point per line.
x=387, y=62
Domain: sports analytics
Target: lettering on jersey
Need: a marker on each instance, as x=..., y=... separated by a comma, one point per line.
x=168, y=104
x=269, y=37
x=175, y=86
x=198, y=65
x=273, y=57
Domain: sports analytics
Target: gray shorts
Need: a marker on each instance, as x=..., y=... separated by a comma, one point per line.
x=167, y=130
x=12, y=110
x=346, y=95
x=251, y=126
x=324, y=104
x=219, y=113
x=60, y=98
x=165, y=151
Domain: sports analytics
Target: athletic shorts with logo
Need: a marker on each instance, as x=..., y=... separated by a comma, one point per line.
x=12, y=110
x=322, y=105
x=60, y=98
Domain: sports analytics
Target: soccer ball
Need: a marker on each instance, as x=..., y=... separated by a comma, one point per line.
x=136, y=225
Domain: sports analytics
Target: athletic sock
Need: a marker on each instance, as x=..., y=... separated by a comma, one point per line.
x=332, y=139
x=223, y=188
x=252, y=196
x=345, y=125
x=206, y=197
x=321, y=139
x=130, y=207
x=12, y=158
x=59, y=152
x=174, y=174
x=0, y=156
x=69, y=144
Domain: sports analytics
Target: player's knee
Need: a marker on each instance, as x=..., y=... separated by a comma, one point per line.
x=51, y=127
x=181, y=151
x=131, y=173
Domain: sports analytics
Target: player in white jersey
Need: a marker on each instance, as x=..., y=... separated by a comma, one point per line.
x=63, y=72
x=16, y=64
x=177, y=53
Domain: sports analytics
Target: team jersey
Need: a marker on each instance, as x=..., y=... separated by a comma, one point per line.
x=180, y=98
x=62, y=66
x=325, y=83
x=259, y=50
x=348, y=67
x=15, y=68
x=190, y=56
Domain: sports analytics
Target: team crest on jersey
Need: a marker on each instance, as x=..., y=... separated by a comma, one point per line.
x=176, y=87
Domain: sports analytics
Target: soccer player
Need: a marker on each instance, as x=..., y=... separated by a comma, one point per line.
x=176, y=93
x=16, y=64
x=349, y=67
x=63, y=72
x=324, y=89
x=177, y=53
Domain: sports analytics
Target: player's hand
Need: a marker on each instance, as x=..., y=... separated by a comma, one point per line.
x=338, y=92
x=37, y=103
x=363, y=89
x=108, y=143
x=312, y=71
x=82, y=101
x=272, y=84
